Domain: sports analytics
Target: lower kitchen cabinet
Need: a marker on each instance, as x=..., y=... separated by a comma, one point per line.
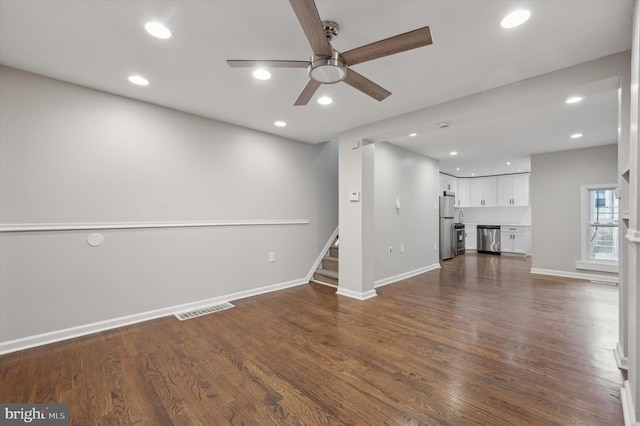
x=513, y=240
x=470, y=238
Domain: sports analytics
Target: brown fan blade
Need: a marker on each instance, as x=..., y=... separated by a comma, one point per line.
x=267, y=64
x=389, y=46
x=366, y=86
x=307, y=92
x=311, y=24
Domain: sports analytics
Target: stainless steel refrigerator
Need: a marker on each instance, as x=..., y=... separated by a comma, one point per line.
x=447, y=227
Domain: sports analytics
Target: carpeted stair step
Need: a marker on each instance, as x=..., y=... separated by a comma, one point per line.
x=330, y=263
x=326, y=276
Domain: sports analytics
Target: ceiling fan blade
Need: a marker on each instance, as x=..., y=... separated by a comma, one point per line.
x=389, y=46
x=366, y=86
x=267, y=64
x=311, y=24
x=307, y=92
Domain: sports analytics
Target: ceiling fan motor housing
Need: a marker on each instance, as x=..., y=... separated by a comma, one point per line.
x=327, y=70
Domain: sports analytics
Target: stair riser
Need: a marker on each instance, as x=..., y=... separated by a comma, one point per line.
x=333, y=252
x=330, y=264
x=325, y=279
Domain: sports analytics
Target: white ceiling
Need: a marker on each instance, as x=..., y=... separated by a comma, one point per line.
x=99, y=43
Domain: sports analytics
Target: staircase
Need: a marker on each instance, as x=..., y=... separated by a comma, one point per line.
x=327, y=272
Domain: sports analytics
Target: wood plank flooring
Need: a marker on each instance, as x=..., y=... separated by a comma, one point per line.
x=479, y=342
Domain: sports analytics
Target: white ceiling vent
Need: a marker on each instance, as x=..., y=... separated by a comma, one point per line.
x=204, y=311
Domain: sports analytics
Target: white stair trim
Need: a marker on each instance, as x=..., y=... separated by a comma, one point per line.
x=323, y=252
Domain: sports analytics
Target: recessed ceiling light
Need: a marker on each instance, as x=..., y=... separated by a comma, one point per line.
x=412, y=134
x=158, y=30
x=515, y=18
x=261, y=74
x=325, y=100
x=280, y=123
x=139, y=80
x=574, y=99
x=576, y=135
x=453, y=153
x=508, y=163
x=457, y=168
x=473, y=174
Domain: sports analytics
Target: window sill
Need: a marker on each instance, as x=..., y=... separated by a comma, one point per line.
x=611, y=267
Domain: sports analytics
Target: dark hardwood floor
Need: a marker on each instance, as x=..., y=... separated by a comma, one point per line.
x=479, y=342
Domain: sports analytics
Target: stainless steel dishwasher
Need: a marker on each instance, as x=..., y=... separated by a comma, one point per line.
x=488, y=239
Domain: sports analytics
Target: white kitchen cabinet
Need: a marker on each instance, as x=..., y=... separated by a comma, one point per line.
x=513, y=190
x=483, y=192
x=470, y=238
x=513, y=240
x=462, y=196
x=448, y=183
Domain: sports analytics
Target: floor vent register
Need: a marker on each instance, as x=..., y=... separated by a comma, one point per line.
x=204, y=311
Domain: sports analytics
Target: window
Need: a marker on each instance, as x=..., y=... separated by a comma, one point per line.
x=599, y=228
x=603, y=225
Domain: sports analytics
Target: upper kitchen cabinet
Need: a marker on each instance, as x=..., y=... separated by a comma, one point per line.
x=483, y=192
x=462, y=196
x=448, y=183
x=513, y=190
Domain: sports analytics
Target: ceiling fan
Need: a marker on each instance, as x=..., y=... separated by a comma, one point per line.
x=328, y=66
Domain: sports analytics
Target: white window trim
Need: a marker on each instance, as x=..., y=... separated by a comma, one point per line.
x=584, y=263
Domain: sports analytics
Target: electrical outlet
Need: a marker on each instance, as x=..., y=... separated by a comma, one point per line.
x=272, y=256
x=401, y=248
x=390, y=250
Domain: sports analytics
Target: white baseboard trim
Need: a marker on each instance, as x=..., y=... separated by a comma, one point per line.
x=621, y=359
x=628, y=410
x=513, y=254
x=322, y=283
x=83, y=330
x=316, y=264
x=578, y=275
x=356, y=295
x=400, y=277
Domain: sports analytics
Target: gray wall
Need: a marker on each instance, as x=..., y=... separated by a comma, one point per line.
x=555, y=199
x=69, y=154
x=413, y=179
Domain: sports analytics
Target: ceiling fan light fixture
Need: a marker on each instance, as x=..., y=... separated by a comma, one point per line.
x=327, y=70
